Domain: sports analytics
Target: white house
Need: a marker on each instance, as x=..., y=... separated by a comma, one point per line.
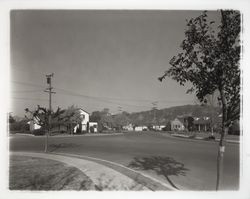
x=94, y=126
x=177, y=124
x=128, y=127
x=141, y=128
x=85, y=120
x=158, y=127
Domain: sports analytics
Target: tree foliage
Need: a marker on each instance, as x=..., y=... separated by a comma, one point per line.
x=41, y=115
x=103, y=118
x=210, y=61
x=11, y=119
x=61, y=116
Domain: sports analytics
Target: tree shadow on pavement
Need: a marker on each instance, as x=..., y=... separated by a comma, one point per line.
x=165, y=166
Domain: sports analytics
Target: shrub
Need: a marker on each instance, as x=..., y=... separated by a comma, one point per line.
x=92, y=130
x=19, y=126
x=192, y=136
x=211, y=137
x=38, y=132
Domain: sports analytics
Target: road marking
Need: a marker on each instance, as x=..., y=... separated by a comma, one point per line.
x=120, y=165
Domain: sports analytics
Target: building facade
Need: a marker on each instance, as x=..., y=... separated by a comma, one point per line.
x=177, y=125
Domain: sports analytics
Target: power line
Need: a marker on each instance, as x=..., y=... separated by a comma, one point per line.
x=27, y=91
x=24, y=98
x=27, y=84
x=104, y=99
x=101, y=99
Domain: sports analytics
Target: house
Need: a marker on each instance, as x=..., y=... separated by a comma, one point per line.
x=202, y=124
x=158, y=127
x=128, y=127
x=141, y=128
x=182, y=123
x=93, y=127
x=177, y=125
x=84, y=125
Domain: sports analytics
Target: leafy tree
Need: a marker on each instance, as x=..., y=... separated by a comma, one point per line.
x=95, y=116
x=107, y=121
x=121, y=120
x=103, y=118
x=210, y=61
x=71, y=116
x=11, y=119
x=212, y=102
x=41, y=116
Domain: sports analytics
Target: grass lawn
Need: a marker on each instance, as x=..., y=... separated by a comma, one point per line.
x=28, y=173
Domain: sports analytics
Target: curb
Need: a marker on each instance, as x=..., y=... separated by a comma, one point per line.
x=88, y=135
x=203, y=139
x=81, y=135
x=24, y=134
x=148, y=181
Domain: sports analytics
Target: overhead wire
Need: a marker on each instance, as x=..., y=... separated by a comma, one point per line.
x=103, y=99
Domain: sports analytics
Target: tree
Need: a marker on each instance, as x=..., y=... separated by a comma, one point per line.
x=41, y=117
x=103, y=118
x=71, y=116
x=121, y=120
x=95, y=116
x=41, y=114
x=210, y=61
x=212, y=102
x=11, y=119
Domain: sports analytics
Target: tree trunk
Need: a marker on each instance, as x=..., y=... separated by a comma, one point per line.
x=221, y=149
x=46, y=142
x=220, y=159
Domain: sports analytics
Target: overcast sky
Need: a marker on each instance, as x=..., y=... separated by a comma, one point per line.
x=100, y=59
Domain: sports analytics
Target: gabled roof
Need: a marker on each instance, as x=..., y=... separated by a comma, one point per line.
x=83, y=110
x=179, y=120
x=202, y=121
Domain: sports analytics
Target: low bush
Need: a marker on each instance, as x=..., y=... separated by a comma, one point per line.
x=19, y=126
x=211, y=137
x=38, y=132
x=192, y=136
x=92, y=129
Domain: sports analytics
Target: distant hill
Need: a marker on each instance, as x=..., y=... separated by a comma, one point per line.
x=163, y=116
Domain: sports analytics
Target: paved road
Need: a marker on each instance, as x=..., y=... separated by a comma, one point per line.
x=184, y=164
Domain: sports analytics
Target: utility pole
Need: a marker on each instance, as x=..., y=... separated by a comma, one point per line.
x=120, y=121
x=48, y=90
x=154, y=109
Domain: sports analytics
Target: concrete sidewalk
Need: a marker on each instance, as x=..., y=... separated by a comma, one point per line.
x=101, y=175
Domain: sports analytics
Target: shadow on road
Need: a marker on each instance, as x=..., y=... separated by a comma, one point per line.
x=54, y=147
x=165, y=166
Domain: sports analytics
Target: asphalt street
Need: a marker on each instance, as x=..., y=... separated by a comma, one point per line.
x=184, y=164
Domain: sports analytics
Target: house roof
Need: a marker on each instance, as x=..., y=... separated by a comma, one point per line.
x=202, y=121
x=181, y=119
x=84, y=110
x=178, y=120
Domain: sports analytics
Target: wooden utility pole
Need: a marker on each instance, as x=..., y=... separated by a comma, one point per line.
x=48, y=90
x=154, y=109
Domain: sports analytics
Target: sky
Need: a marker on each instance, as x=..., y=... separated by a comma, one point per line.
x=100, y=58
